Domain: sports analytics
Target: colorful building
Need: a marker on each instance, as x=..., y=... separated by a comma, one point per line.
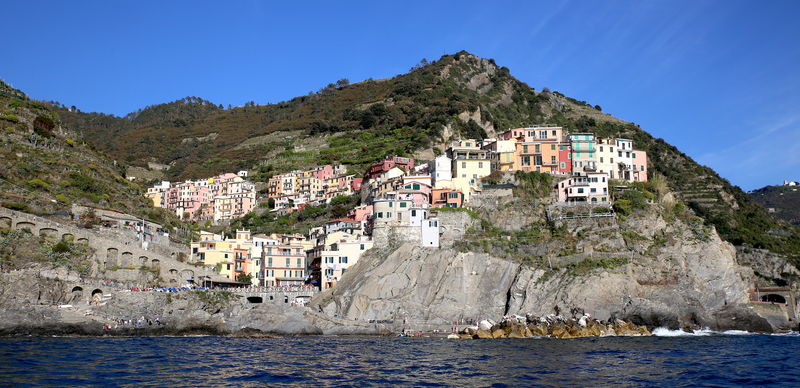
x=591, y=187
x=405, y=164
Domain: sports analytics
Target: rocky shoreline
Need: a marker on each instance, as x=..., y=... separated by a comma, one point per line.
x=554, y=326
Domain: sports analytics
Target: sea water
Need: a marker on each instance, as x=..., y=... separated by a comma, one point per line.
x=677, y=359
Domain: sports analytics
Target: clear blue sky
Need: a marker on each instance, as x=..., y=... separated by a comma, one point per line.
x=718, y=79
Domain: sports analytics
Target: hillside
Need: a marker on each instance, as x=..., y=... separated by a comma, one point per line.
x=783, y=200
x=458, y=95
x=47, y=167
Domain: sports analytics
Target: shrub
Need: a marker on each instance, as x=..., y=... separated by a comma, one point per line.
x=623, y=207
x=535, y=183
x=84, y=183
x=16, y=206
x=9, y=117
x=43, y=126
x=39, y=184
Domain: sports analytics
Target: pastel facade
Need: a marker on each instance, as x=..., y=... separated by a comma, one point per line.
x=339, y=256
x=405, y=164
x=441, y=170
x=503, y=154
x=591, y=187
x=470, y=162
x=584, y=153
x=639, y=171
x=445, y=197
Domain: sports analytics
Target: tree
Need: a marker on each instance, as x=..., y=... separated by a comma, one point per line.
x=342, y=83
x=244, y=278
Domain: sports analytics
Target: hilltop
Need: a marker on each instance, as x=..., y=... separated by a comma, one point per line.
x=784, y=201
x=414, y=114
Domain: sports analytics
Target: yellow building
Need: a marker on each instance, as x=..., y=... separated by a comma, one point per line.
x=470, y=162
x=214, y=253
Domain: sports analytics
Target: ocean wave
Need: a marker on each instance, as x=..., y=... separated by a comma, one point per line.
x=665, y=332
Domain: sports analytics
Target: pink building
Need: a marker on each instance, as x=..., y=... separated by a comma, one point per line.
x=323, y=172
x=420, y=192
x=565, y=159
x=387, y=164
x=357, y=182
x=639, y=166
x=360, y=213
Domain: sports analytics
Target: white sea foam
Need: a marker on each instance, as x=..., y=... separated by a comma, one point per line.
x=665, y=332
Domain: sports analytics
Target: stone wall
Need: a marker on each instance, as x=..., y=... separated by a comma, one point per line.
x=116, y=257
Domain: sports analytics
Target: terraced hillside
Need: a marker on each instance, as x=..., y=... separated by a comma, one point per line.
x=45, y=167
x=782, y=201
x=459, y=95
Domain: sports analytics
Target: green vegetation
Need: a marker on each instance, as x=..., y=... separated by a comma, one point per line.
x=20, y=249
x=296, y=222
x=534, y=184
x=360, y=123
x=244, y=278
x=214, y=300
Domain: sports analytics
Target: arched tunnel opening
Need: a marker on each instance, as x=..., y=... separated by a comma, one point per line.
x=773, y=298
x=255, y=299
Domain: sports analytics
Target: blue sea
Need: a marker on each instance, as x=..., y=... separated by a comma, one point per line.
x=707, y=360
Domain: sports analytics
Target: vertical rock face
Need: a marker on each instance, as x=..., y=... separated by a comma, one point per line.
x=660, y=273
x=429, y=287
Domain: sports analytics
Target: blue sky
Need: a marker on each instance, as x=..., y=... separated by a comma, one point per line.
x=718, y=79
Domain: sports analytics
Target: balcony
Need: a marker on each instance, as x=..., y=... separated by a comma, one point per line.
x=580, y=183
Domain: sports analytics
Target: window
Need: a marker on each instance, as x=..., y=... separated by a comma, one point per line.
x=342, y=259
x=388, y=214
x=328, y=272
x=463, y=164
x=344, y=270
x=228, y=266
x=299, y=261
x=380, y=214
x=416, y=186
x=453, y=195
x=554, y=132
x=634, y=155
x=403, y=204
x=593, y=190
x=480, y=164
x=536, y=148
x=580, y=190
x=524, y=149
x=601, y=158
x=563, y=165
x=362, y=247
x=601, y=148
x=391, y=204
x=226, y=255
x=269, y=262
x=552, y=147
x=288, y=262
x=413, y=213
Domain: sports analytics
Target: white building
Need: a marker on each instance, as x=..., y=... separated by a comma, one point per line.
x=591, y=187
x=441, y=170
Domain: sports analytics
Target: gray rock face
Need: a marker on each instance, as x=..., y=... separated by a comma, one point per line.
x=671, y=275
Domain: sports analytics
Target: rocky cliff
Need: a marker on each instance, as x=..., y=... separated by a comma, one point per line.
x=658, y=266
